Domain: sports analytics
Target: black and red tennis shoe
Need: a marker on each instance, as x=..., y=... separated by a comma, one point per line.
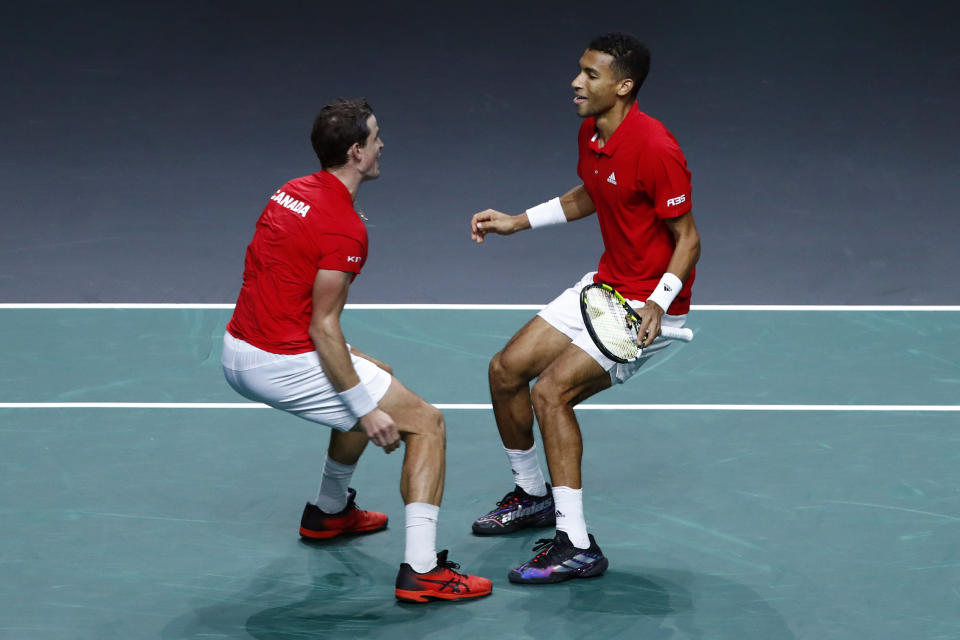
x=443, y=582
x=318, y=525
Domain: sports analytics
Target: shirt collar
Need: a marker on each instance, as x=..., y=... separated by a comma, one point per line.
x=622, y=132
x=325, y=177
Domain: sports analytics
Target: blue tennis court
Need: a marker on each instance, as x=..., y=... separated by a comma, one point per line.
x=792, y=473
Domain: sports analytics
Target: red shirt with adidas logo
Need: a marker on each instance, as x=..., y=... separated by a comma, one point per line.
x=637, y=179
x=309, y=224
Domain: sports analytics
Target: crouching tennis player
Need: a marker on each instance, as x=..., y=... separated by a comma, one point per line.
x=284, y=347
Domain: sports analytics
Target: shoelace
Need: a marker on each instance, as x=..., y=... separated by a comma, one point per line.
x=353, y=503
x=443, y=563
x=544, y=546
x=510, y=498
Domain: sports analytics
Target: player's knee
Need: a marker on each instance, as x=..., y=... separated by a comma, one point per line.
x=437, y=422
x=433, y=424
x=546, y=396
x=504, y=374
x=495, y=370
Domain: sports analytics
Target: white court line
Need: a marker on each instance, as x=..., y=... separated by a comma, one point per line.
x=454, y=407
x=487, y=407
x=474, y=307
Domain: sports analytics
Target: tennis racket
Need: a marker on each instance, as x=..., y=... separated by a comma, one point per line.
x=613, y=324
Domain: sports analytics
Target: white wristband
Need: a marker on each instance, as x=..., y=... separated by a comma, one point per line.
x=358, y=401
x=543, y=215
x=666, y=291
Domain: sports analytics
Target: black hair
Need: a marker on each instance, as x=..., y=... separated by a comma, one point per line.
x=338, y=125
x=631, y=58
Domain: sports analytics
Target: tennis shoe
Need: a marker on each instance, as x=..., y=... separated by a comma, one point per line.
x=318, y=525
x=443, y=582
x=558, y=560
x=517, y=510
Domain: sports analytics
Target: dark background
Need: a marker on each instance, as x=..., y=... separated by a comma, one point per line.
x=141, y=141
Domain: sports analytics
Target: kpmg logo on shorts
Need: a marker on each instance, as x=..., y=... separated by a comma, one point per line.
x=672, y=202
x=289, y=202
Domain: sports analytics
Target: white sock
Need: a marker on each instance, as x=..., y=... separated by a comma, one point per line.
x=332, y=496
x=421, y=550
x=569, y=503
x=526, y=470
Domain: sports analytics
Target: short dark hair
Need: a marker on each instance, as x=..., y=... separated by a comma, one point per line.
x=338, y=125
x=631, y=58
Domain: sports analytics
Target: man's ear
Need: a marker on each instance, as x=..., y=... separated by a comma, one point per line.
x=626, y=86
x=353, y=153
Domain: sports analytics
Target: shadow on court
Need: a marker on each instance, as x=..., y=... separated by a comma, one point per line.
x=348, y=594
x=654, y=604
x=348, y=597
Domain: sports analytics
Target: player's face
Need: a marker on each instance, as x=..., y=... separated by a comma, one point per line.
x=597, y=86
x=370, y=151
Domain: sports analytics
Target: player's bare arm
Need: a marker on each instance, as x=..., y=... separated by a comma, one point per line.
x=575, y=203
x=329, y=297
x=685, y=256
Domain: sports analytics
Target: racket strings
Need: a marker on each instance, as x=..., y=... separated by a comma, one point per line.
x=614, y=327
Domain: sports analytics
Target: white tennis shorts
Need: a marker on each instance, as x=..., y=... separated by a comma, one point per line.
x=296, y=383
x=563, y=314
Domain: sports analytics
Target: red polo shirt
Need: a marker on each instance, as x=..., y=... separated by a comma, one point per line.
x=637, y=179
x=309, y=224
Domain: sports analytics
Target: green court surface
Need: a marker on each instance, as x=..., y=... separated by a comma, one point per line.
x=808, y=486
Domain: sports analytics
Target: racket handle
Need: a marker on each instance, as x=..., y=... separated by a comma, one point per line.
x=677, y=334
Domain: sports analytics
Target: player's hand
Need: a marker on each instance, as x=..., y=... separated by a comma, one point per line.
x=492, y=221
x=650, y=316
x=381, y=429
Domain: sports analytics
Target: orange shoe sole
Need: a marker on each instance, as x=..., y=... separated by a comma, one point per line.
x=333, y=533
x=421, y=597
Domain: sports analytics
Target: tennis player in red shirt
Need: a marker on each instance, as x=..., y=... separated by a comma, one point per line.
x=284, y=347
x=635, y=177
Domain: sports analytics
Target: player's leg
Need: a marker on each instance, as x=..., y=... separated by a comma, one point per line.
x=345, y=450
x=423, y=431
x=334, y=511
x=424, y=574
x=527, y=353
x=297, y=384
x=511, y=370
x=578, y=373
x=571, y=378
x=346, y=447
x=309, y=395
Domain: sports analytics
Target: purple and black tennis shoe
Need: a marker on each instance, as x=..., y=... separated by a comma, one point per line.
x=558, y=560
x=517, y=510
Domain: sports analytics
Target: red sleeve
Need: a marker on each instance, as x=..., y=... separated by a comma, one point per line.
x=667, y=180
x=340, y=253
